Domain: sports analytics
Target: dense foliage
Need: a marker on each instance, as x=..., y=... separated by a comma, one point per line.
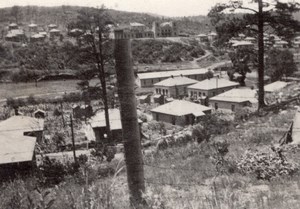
x=280, y=63
x=155, y=51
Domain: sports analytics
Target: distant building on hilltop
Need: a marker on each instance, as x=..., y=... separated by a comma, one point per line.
x=166, y=29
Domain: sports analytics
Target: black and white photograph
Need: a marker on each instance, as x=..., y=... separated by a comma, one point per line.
x=149, y=104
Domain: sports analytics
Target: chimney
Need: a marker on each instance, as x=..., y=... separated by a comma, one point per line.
x=172, y=76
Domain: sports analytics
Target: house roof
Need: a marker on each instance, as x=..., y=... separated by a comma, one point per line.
x=39, y=110
x=237, y=96
x=212, y=34
x=32, y=25
x=242, y=43
x=165, y=24
x=16, y=148
x=213, y=83
x=21, y=124
x=37, y=36
x=281, y=42
x=276, y=86
x=202, y=35
x=98, y=120
x=13, y=24
x=52, y=25
x=176, y=81
x=136, y=24
x=181, y=108
x=167, y=74
x=250, y=39
x=54, y=30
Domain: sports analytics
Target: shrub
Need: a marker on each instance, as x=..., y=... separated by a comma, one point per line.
x=266, y=165
x=200, y=134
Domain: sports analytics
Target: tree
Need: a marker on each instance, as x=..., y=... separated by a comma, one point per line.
x=280, y=63
x=271, y=15
x=241, y=60
x=96, y=50
x=16, y=12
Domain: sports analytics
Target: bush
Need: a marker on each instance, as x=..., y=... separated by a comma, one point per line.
x=200, y=134
x=266, y=165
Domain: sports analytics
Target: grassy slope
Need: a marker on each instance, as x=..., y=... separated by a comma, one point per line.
x=186, y=177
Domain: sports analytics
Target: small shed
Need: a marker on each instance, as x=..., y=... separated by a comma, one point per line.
x=275, y=87
x=39, y=113
x=98, y=124
x=13, y=26
x=54, y=32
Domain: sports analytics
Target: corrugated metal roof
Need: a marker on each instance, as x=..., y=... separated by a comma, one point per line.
x=15, y=147
x=212, y=83
x=114, y=120
x=167, y=74
x=21, y=123
x=237, y=95
x=276, y=86
x=176, y=81
x=180, y=108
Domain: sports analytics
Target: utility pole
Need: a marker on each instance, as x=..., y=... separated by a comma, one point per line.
x=130, y=126
x=62, y=114
x=73, y=139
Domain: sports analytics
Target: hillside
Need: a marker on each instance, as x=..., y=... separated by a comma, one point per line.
x=165, y=51
x=66, y=14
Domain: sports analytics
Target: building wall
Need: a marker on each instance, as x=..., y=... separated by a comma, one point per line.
x=197, y=93
x=228, y=105
x=165, y=31
x=175, y=120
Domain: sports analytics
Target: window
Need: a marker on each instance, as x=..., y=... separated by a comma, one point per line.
x=232, y=108
x=216, y=106
x=157, y=91
x=152, y=81
x=163, y=92
x=167, y=92
x=214, y=93
x=204, y=94
x=199, y=94
x=192, y=93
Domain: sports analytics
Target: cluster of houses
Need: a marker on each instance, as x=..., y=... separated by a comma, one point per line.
x=270, y=40
x=31, y=33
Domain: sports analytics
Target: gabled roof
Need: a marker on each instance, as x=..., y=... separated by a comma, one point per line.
x=176, y=81
x=39, y=110
x=167, y=74
x=276, y=86
x=37, y=36
x=98, y=120
x=21, y=124
x=16, y=148
x=181, y=108
x=237, y=96
x=213, y=83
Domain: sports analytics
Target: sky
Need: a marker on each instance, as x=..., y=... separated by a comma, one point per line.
x=171, y=8
x=162, y=7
